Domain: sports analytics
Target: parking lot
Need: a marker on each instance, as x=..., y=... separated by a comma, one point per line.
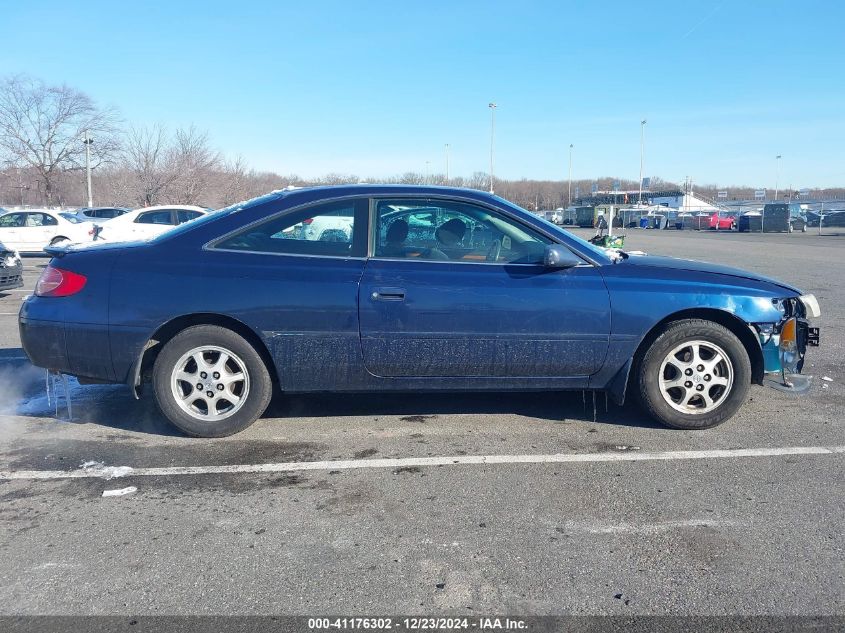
x=574, y=508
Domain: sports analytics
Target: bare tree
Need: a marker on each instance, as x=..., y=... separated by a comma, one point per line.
x=147, y=156
x=235, y=180
x=194, y=164
x=43, y=127
x=335, y=178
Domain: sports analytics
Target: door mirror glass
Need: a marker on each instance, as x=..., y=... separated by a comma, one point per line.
x=557, y=256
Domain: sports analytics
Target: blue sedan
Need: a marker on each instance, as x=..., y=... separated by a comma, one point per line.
x=399, y=288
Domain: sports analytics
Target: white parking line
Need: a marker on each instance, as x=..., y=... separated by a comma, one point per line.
x=110, y=472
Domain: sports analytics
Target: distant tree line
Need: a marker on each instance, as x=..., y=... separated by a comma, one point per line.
x=43, y=130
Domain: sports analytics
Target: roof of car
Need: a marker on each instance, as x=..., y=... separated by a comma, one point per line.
x=102, y=208
x=369, y=189
x=34, y=210
x=372, y=188
x=327, y=192
x=178, y=207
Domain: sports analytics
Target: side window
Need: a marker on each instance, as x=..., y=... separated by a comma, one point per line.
x=11, y=220
x=39, y=219
x=155, y=217
x=336, y=229
x=185, y=216
x=446, y=230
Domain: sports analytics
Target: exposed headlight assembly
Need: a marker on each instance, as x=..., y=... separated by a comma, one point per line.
x=811, y=305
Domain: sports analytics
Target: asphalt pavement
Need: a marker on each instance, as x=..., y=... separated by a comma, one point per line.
x=435, y=504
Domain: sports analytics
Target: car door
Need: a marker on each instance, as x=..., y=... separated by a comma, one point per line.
x=301, y=294
x=10, y=234
x=458, y=289
x=37, y=231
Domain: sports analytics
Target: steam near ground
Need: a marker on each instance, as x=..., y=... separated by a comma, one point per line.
x=18, y=385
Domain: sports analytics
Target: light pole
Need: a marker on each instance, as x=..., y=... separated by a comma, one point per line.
x=569, y=184
x=447, y=163
x=642, y=155
x=777, y=175
x=492, y=107
x=88, y=140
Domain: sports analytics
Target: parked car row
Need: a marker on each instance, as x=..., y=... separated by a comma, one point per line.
x=32, y=230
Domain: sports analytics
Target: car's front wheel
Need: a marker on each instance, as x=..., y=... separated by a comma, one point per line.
x=695, y=375
x=210, y=382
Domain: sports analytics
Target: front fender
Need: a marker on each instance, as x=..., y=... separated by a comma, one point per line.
x=642, y=305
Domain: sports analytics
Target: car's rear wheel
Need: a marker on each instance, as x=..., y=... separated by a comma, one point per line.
x=695, y=375
x=58, y=240
x=210, y=382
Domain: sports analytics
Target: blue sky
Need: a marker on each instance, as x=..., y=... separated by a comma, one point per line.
x=378, y=88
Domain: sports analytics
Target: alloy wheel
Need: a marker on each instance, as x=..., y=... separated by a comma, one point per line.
x=210, y=383
x=696, y=377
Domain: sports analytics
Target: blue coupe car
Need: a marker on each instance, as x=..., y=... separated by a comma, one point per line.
x=399, y=288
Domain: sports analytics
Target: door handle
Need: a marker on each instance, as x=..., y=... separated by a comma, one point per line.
x=388, y=294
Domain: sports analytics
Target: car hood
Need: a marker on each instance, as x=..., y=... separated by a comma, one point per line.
x=655, y=261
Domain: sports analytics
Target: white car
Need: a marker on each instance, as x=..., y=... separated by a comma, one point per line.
x=148, y=222
x=31, y=230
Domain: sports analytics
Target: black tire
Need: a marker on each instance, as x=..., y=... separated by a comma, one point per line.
x=256, y=400
x=58, y=239
x=673, y=335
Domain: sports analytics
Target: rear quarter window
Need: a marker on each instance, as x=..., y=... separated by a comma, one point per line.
x=155, y=217
x=337, y=229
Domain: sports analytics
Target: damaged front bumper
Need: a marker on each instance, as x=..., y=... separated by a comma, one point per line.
x=784, y=344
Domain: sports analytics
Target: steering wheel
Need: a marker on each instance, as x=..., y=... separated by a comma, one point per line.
x=494, y=251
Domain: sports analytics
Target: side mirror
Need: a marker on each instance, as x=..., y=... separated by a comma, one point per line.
x=557, y=256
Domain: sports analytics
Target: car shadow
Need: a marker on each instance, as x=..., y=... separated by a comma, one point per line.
x=23, y=392
x=557, y=407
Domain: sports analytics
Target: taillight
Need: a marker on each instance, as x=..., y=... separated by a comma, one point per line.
x=308, y=221
x=55, y=282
